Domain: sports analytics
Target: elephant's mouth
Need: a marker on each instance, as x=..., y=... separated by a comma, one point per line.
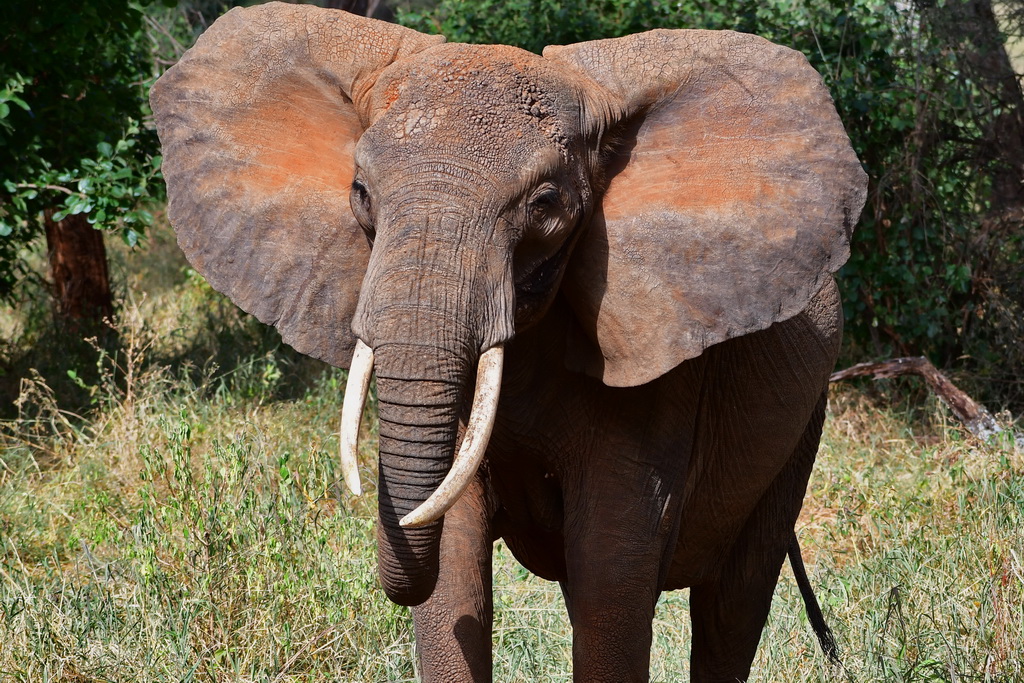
x=538, y=281
x=535, y=286
x=474, y=441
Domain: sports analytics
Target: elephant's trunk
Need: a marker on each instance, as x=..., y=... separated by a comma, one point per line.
x=419, y=402
x=431, y=304
x=474, y=442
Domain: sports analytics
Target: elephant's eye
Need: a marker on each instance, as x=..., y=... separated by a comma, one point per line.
x=362, y=207
x=544, y=203
x=360, y=196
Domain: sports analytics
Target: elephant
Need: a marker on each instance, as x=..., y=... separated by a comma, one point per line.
x=596, y=288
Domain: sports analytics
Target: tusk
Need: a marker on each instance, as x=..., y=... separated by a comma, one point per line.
x=352, y=412
x=474, y=442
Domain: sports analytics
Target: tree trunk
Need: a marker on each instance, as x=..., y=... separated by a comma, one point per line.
x=78, y=264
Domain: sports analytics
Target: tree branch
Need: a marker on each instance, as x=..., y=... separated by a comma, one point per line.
x=179, y=49
x=974, y=416
x=56, y=188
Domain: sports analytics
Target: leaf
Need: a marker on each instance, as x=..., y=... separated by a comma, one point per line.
x=4, y=110
x=105, y=149
x=74, y=205
x=5, y=229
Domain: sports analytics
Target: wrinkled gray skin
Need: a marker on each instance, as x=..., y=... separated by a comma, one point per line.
x=635, y=450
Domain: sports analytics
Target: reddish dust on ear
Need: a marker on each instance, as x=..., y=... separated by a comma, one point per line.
x=317, y=149
x=689, y=177
x=716, y=149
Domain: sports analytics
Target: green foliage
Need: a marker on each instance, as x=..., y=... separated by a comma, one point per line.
x=75, y=77
x=921, y=279
x=533, y=24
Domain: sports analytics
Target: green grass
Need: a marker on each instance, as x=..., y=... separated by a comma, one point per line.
x=173, y=513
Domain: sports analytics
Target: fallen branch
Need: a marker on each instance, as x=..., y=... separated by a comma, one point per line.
x=973, y=416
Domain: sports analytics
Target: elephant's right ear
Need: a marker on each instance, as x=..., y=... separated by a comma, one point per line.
x=732, y=192
x=258, y=122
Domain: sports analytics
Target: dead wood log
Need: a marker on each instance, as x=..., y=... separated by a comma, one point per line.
x=974, y=416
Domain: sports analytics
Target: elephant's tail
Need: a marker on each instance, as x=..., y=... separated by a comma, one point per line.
x=814, y=615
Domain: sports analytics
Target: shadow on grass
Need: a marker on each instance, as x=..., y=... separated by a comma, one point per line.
x=167, y=317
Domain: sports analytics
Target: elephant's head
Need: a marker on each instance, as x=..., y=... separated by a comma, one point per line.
x=346, y=179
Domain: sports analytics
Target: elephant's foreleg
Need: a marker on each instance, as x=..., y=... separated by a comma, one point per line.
x=729, y=613
x=615, y=567
x=453, y=627
x=611, y=619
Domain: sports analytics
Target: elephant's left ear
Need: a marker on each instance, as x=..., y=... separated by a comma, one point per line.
x=258, y=123
x=732, y=195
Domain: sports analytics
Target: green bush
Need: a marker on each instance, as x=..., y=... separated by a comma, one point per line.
x=73, y=88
